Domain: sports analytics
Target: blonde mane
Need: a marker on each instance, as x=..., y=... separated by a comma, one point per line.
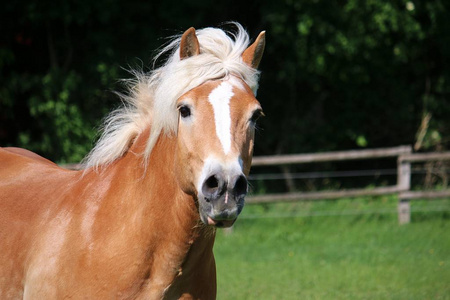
x=151, y=101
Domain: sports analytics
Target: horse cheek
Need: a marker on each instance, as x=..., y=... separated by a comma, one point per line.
x=184, y=169
x=247, y=151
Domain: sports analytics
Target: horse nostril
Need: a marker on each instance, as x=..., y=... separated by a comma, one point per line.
x=212, y=182
x=210, y=186
x=240, y=187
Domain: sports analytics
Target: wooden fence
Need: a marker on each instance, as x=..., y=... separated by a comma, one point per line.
x=404, y=156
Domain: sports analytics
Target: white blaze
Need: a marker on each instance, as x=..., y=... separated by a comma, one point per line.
x=220, y=101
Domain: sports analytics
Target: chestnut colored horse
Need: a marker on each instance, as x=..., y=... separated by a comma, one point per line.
x=138, y=222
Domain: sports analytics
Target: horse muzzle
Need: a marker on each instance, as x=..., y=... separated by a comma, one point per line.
x=222, y=200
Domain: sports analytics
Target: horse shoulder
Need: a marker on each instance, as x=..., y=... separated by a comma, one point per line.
x=27, y=199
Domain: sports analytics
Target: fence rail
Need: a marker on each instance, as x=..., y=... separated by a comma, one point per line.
x=404, y=156
x=329, y=156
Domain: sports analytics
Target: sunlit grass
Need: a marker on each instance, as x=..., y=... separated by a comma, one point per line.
x=273, y=254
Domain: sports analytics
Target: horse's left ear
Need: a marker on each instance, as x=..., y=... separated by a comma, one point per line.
x=189, y=45
x=253, y=54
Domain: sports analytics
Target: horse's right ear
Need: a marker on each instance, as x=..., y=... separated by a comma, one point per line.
x=253, y=54
x=189, y=45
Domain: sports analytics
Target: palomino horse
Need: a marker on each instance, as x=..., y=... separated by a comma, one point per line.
x=138, y=222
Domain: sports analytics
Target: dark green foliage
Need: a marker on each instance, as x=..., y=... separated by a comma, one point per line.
x=355, y=73
x=336, y=74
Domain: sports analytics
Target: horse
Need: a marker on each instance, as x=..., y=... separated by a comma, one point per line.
x=138, y=220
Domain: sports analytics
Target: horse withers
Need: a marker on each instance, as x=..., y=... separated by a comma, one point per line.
x=138, y=222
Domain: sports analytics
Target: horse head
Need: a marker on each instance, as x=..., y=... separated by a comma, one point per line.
x=215, y=138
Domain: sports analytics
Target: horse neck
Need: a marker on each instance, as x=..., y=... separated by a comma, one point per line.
x=164, y=206
x=154, y=184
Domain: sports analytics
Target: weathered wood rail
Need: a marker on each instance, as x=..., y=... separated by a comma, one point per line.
x=404, y=156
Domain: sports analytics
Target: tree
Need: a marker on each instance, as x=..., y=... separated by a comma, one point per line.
x=336, y=75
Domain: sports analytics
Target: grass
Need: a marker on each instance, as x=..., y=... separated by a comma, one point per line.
x=348, y=249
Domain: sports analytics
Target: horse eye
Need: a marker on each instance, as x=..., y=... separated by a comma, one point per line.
x=185, y=111
x=256, y=115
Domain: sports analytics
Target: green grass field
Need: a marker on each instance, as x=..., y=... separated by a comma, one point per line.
x=348, y=249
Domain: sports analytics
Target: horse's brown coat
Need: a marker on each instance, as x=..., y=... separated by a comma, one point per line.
x=126, y=231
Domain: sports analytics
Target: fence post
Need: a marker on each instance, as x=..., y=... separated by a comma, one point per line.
x=404, y=211
x=404, y=184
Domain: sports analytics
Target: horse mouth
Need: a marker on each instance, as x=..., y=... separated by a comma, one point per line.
x=221, y=212
x=220, y=223
x=222, y=219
